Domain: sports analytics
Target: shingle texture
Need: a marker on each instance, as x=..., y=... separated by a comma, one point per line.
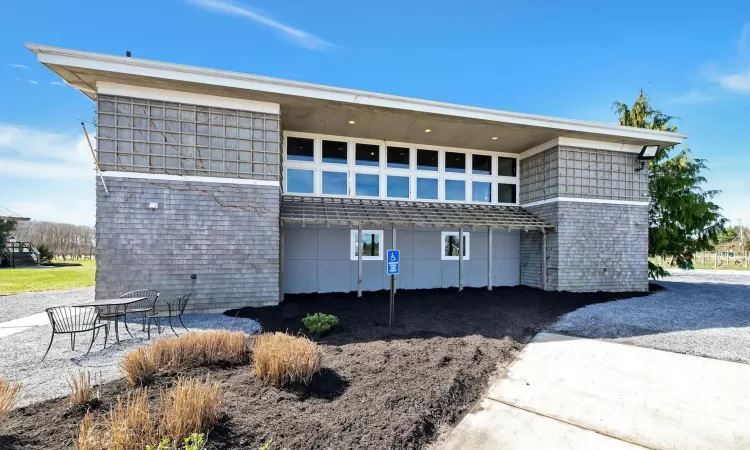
x=225, y=234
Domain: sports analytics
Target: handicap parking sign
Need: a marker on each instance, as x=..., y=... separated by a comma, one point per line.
x=393, y=262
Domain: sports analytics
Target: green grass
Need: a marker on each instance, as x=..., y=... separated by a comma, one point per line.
x=17, y=281
x=709, y=265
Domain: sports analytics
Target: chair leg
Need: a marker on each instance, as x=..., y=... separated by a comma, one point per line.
x=49, y=346
x=143, y=321
x=117, y=330
x=72, y=341
x=94, y=332
x=183, y=325
x=149, y=328
x=170, y=326
x=125, y=321
x=106, y=334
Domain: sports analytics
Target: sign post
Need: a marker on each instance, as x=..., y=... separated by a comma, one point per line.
x=392, y=266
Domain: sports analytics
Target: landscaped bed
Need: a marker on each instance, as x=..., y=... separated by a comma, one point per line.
x=378, y=387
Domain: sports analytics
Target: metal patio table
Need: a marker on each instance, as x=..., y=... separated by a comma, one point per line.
x=114, y=303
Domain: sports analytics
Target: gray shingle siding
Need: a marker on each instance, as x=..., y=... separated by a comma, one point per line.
x=226, y=234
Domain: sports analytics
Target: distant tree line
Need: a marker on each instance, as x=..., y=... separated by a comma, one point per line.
x=63, y=240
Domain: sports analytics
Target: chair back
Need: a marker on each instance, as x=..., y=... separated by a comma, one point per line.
x=179, y=304
x=70, y=319
x=151, y=297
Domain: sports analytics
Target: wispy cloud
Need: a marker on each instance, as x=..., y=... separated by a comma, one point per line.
x=733, y=72
x=24, y=80
x=295, y=35
x=33, y=82
x=19, y=66
x=694, y=96
x=57, y=83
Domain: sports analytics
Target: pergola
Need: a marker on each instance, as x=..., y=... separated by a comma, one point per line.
x=306, y=210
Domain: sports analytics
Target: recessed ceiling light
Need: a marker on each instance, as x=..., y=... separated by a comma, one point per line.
x=427, y=130
x=494, y=138
x=351, y=122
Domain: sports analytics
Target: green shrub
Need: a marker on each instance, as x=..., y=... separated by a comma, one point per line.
x=193, y=442
x=320, y=323
x=45, y=254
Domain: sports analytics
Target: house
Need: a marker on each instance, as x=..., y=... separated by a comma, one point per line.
x=240, y=188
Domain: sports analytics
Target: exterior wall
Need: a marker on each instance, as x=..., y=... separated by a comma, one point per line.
x=531, y=250
x=317, y=259
x=226, y=234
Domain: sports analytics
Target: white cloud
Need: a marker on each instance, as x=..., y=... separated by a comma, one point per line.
x=68, y=207
x=27, y=81
x=737, y=82
x=30, y=153
x=733, y=72
x=694, y=96
x=33, y=82
x=19, y=66
x=57, y=83
x=297, y=36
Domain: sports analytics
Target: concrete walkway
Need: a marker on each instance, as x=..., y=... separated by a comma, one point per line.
x=570, y=393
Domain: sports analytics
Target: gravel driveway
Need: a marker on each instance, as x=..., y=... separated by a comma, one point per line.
x=22, y=305
x=702, y=313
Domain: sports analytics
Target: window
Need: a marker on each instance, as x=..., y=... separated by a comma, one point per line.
x=397, y=187
x=481, y=191
x=299, y=149
x=455, y=190
x=449, y=242
x=506, y=193
x=398, y=157
x=299, y=181
x=427, y=188
x=427, y=160
x=367, y=185
x=334, y=152
x=455, y=162
x=334, y=183
x=506, y=167
x=367, y=155
x=372, y=245
x=481, y=164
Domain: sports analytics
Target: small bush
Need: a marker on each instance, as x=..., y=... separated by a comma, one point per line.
x=138, y=366
x=320, y=323
x=193, y=442
x=45, y=254
x=282, y=359
x=81, y=390
x=9, y=391
x=190, y=406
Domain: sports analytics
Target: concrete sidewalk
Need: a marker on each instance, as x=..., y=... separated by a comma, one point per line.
x=564, y=392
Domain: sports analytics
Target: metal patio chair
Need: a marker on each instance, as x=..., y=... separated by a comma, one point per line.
x=175, y=308
x=143, y=307
x=113, y=313
x=75, y=319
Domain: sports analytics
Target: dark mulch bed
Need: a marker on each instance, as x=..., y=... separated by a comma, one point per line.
x=380, y=387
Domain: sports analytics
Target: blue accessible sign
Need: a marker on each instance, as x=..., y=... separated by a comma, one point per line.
x=393, y=262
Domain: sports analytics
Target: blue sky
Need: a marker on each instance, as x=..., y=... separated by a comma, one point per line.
x=569, y=59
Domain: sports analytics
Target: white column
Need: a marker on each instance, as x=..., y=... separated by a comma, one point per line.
x=461, y=259
x=281, y=261
x=544, y=259
x=361, y=249
x=489, y=259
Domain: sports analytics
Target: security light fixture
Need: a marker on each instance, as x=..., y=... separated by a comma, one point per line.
x=427, y=130
x=494, y=138
x=648, y=152
x=351, y=122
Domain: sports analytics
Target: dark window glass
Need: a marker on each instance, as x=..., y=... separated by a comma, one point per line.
x=451, y=245
x=367, y=155
x=506, y=193
x=398, y=157
x=299, y=149
x=334, y=152
x=481, y=164
x=367, y=185
x=397, y=187
x=506, y=167
x=455, y=162
x=427, y=160
x=299, y=181
x=481, y=191
x=427, y=188
x=334, y=183
x=455, y=190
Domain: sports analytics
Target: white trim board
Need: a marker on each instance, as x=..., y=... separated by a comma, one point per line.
x=585, y=200
x=125, y=90
x=582, y=143
x=55, y=56
x=167, y=177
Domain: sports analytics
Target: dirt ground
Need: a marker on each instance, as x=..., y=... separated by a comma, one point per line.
x=380, y=387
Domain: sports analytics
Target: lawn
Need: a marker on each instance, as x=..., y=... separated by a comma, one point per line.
x=17, y=281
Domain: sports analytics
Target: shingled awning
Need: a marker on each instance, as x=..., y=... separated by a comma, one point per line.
x=351, y=211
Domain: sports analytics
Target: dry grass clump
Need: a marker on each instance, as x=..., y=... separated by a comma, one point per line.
x=191, y=406
x=282, y=359
x=9, y=391
x=82, y=391
x=138, y=366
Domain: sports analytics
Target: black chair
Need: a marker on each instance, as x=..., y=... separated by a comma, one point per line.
x=175, y=308
x=142, y=307
x=113, y=313
x=75, y=319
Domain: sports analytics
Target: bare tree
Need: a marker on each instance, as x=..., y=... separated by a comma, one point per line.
x=64, y=240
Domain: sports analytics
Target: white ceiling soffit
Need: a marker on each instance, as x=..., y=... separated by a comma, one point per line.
x=66, y=62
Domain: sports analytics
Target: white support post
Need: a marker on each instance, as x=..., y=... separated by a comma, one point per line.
x=461, y=259
x=281, y=261
x=360, y=250
x=544, y=259
x=489, y=259
x=393, y=247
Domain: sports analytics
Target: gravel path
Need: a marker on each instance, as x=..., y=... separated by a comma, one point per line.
x=22, y=305
x=702, y=313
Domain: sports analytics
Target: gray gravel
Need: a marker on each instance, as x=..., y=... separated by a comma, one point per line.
x=22, y=305
x=22, y=352
x=702, y=313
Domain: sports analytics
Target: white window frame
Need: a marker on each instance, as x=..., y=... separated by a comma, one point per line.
x=467, y=238
x=384, y=171
x=353, y=245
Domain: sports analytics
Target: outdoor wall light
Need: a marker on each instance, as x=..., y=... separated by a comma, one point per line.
x=351, y=122
x=427, y=130
x=648, y=152
x=494, y=138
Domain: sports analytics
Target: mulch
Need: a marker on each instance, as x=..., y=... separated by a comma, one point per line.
x=380, y=387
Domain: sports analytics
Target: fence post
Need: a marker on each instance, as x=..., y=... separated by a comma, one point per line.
x=716, y=260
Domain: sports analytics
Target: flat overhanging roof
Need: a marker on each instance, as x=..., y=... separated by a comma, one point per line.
x=314, y=108
x=353, y=212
